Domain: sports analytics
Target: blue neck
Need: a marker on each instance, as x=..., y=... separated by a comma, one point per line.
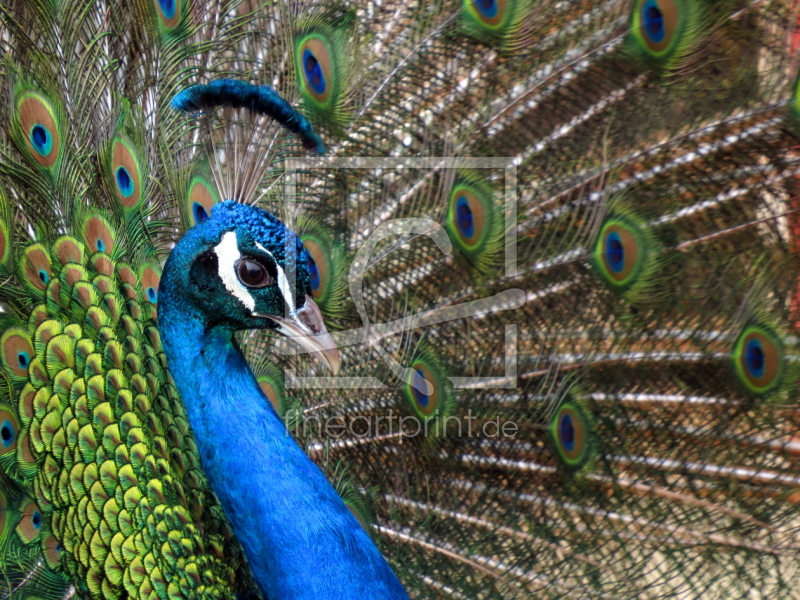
x=301, y=540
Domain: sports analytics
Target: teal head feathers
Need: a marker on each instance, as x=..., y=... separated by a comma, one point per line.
x=241, y=269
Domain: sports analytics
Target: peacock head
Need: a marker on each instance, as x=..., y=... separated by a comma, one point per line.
x=242, y=269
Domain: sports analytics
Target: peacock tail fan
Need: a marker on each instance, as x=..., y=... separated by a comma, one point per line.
x=623, y=358
x=555, y=243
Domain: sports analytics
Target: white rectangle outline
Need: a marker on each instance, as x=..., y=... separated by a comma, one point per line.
x=291, y=167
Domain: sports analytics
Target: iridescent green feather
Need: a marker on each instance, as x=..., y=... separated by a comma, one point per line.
x=326, y=263
x=323, y=52
x=495, y=22
x=475, y=221
x=628, y=255
x=664, y=32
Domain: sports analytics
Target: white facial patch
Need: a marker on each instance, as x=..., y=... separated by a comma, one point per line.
x=227, y=252
x=283, y=283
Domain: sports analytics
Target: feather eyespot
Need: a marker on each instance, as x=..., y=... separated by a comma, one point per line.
x=127, y=172
x=759, y=360
x=570, y=434
x=124, y=182
x=314, y=75
x=17, y=351
x=52, y=551
x=9, y=430
x=490, y=11
x=316, y=67
x=422, y=389
x=169, y=14
x=474, y=221
x=318, y=267
x=31, y=523
x=627, y=255
x=200, y=200
x=150, y=279
x=664, y=29
x=199, y=213
x=313, y=272
x=253, y=274
x=167, y=8
x=427, y=389
x=38, y=122
x=41, y=140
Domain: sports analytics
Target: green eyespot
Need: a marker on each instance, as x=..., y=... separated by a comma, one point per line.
x=38, y=123
x=759, y=359
x=664, y=31
x=571, y=434
x=474, y=221
x=494, y=22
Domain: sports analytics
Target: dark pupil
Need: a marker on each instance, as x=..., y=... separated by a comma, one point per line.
x=5, y=432
x=123, y=178
x=252, y=274
x=486, y=4
x=200, y=213
x=464, y=216
x=615, y=251
x=313, y=272
x=567, y=430
x=313, y=70
x=39, y=135
x=37, y=519
x=654, y=20
x=23, y=360
x=756, y=357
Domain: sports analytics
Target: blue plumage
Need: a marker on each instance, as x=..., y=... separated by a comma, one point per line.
x=299, y=536
x=260, y=99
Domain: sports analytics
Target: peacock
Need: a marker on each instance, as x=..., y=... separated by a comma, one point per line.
x=459, y=299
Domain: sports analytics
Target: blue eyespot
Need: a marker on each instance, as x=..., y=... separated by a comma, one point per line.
x=23, y=360
x=36, y=519
x=487, y=8
x=44, y=276
x=314, y=74
x=419, y=380
x=124, y=182
x=100, y=245
x=313, y=271
x=566, y=432
x=615, y=252
x=152, y=295
x=464, y=218
x=41, y=140
x=7, y=433
x=654, y=21
x=754, y=358
x=167, y=7
x=199, y=213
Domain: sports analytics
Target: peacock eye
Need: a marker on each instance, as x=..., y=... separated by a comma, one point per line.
x=253, y=274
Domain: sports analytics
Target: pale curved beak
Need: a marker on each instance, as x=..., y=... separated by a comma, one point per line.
x=307, y=328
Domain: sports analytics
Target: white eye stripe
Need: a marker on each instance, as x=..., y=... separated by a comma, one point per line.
x=283, y=283
x=227, y=252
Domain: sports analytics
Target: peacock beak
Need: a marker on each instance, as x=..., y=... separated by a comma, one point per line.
x=307, y=328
